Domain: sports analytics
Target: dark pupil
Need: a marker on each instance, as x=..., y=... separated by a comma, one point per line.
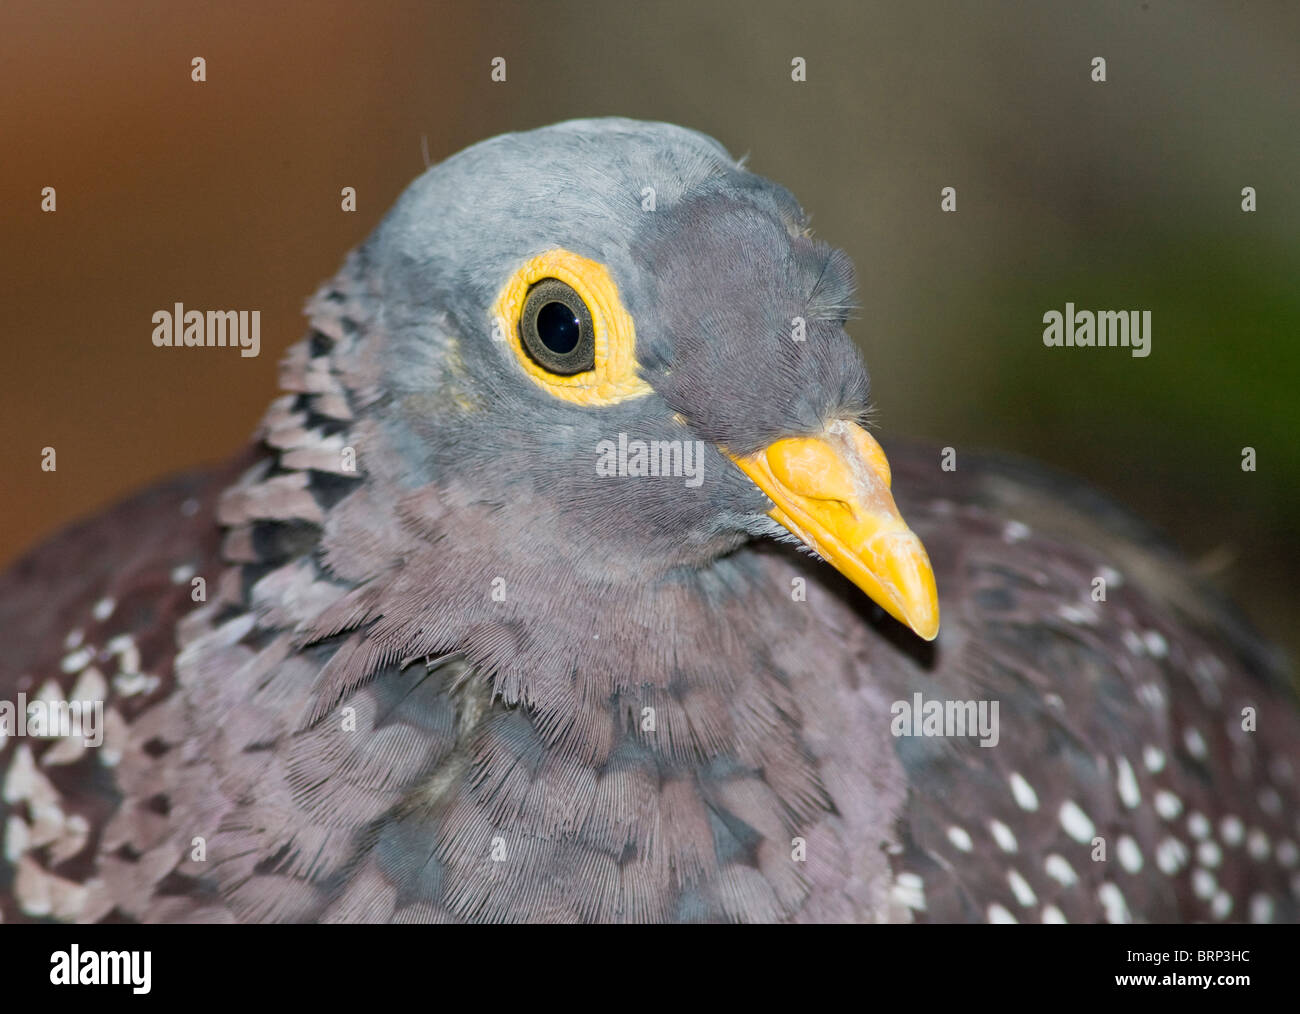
x=558, y=328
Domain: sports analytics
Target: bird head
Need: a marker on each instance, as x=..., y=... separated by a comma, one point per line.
x=630, y=353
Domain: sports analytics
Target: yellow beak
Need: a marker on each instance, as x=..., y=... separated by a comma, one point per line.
x=832, y=492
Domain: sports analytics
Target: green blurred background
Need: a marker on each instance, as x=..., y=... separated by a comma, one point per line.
x=1117, y=195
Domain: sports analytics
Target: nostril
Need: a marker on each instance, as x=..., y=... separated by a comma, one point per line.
x=833, y=508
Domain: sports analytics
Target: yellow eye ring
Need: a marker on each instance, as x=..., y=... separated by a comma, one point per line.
x=614, y=377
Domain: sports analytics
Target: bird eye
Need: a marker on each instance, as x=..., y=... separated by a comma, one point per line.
x=556, y=329
x=560, y=314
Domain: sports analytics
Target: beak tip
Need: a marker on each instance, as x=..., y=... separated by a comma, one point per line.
x=911, y=585
x=924, y=621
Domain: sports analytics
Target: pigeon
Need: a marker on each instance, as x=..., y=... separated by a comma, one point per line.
x=565, y=582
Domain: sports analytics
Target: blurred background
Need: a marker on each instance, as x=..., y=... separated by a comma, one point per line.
x=1119, y=195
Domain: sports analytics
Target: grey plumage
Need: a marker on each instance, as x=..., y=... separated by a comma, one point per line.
x=358, y=728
